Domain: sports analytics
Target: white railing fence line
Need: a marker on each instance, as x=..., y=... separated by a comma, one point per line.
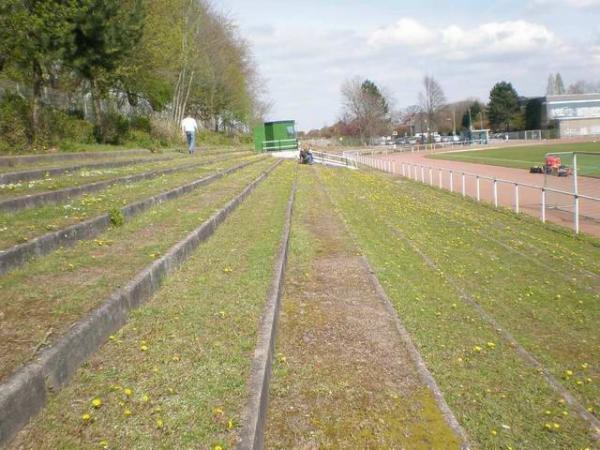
x=417, y=172
x=333, y=159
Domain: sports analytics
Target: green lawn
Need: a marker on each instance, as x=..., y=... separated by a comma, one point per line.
x=525, y=157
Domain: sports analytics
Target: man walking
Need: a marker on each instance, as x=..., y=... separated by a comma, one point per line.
x=189, y=127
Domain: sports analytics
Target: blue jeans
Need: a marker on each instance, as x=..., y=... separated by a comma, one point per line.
x=191, y=141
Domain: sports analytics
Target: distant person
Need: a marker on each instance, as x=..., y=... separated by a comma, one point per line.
x=189, y=126
x=306, y=156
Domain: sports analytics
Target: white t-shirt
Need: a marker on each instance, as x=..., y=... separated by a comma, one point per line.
x=189, y=124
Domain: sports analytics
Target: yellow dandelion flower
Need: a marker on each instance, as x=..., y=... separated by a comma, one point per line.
x=491, y=345
x=127, y=412
x=103, y=444
x=86, y=417
x=556, y=426
x=477, y=348
x=128, y=392
x=494, y=432
x=97, y=403
x=159, y=424
x=230, y=424
x=143, y=348
x=145, y=398
x=217, y=447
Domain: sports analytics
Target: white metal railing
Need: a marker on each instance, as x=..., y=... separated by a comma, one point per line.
x=397, y=148
x=425, y=174
x=333, y=159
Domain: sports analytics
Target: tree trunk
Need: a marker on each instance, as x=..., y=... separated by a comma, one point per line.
x=35, y=100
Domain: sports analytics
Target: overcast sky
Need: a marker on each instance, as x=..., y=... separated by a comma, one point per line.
x=305, y=50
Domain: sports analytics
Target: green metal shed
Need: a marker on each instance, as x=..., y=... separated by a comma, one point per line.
x=275, y=136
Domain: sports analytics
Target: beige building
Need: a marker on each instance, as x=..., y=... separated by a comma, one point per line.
x=574, y=114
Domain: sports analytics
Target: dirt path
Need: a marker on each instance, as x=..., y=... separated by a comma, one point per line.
x=343, y=378
x=529, y=199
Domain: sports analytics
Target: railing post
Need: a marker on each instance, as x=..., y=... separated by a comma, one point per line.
x=516, y=198
x=463, y=185
x=451, y=181
x=543, y=205
x=430, y=176
x=422, y=174
x=576, y=213
x=440, y=177
x=403, y=170
x=478, y=189
x=495, y=193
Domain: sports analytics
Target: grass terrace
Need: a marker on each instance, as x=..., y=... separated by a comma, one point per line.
x=175, y=376
x=430, y=249
x=24, y=225
x=45, y=297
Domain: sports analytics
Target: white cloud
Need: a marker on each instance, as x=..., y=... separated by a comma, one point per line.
x=454, y=42
x=577, y=4
x=406, y=32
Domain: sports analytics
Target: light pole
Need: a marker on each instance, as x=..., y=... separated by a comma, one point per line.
x=453, y=122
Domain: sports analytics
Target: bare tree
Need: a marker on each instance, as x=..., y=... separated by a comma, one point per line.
x=583, y=87
x=366, y=106
x=432, y=101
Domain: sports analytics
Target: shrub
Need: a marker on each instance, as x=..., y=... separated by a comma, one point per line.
x=142, y=139
x=117, y=218
x=141, y=123
x=112, y=129
x=14, y=124
x=163, y=132
x=62, y=126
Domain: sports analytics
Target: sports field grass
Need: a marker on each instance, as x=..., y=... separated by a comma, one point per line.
x=527, y=156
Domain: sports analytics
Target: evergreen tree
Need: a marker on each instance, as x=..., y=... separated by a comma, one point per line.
x=559, y=85
x=104, y=34
x=33, y=37
x=504, y=104
x=551, y=86
x=533, y=114
x=471, y=115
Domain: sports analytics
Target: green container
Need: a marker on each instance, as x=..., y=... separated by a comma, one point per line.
x=275, y=136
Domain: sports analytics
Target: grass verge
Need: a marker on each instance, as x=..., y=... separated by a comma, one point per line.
x=500, y=400
x=175, y=376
